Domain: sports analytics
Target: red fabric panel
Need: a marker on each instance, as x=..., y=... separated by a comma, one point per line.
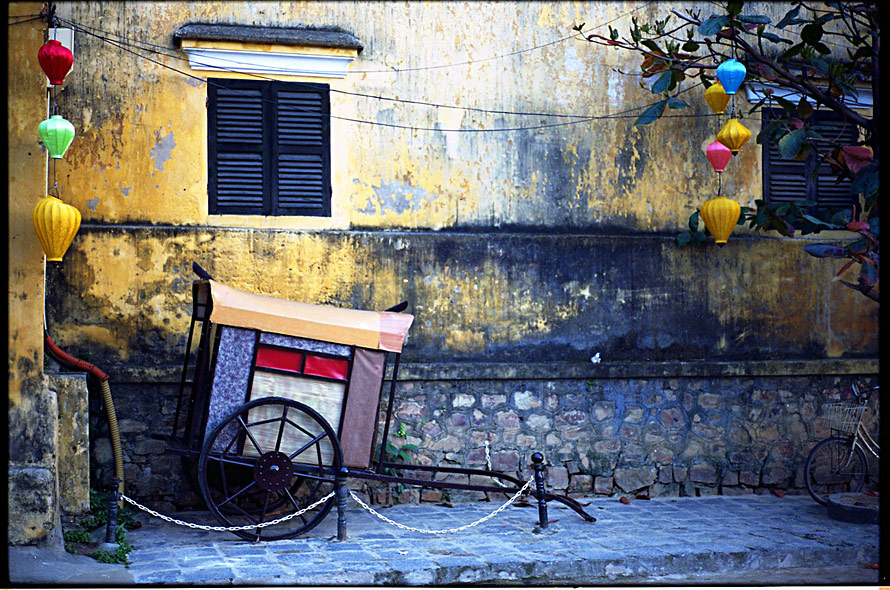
x=326, y=367
x=276, y=358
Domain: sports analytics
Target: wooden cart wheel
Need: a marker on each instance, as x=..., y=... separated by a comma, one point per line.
x=269, y=458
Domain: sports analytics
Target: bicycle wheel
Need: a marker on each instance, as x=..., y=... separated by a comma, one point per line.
x=270, y=458
x=830, y=468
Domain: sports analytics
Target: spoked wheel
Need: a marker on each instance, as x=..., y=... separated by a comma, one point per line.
x=268, y=459
x=831, y=468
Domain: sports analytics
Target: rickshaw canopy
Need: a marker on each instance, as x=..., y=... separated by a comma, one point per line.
x=376, y=330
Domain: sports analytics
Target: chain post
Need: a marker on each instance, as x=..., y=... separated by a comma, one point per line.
x=113, y=499
x=538, y=464
x=341, y=503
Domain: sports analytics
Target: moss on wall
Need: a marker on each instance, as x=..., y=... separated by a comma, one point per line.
x=476, y=296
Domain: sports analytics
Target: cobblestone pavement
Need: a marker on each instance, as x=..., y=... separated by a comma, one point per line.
x=715, y=539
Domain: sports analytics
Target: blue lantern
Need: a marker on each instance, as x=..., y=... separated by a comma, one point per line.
x=731, y=75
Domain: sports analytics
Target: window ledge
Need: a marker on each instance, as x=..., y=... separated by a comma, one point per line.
x=284, y=51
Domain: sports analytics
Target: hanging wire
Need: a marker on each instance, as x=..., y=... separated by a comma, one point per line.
x=26, y=20
x=394, y=70
x=236, y=62
x=578, y=118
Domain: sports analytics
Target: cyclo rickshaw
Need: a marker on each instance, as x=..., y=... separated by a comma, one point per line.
x=283, y=406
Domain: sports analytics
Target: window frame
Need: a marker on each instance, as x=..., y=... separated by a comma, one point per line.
x=270, y=148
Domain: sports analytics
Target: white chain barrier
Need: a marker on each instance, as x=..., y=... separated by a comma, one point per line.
x=358, y=500
x=443, y=531
x=245, y=527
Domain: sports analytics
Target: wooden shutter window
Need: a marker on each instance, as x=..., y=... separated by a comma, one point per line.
x=303, y=156
x=786, y=180
x=269, y=148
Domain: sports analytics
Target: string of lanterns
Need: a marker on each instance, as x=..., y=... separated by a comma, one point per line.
x=55, y=222
x=721, y=214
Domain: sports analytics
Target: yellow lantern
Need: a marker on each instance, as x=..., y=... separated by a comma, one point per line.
x=720, y=216
x=734, y=135
x=56, y=224
x=716, y=98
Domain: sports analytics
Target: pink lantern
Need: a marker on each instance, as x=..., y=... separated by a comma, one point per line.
x=719, y=155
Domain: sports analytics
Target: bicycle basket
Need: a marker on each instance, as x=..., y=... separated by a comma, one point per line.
x=842, y=417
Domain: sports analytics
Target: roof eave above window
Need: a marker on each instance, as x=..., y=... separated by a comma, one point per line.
x=283, y=51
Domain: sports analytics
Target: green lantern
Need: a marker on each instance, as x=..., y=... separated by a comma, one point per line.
x=56, y=134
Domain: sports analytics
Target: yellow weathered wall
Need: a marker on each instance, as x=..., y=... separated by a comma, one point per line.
x=32, y=408
x=140, y=160
x=141, y=148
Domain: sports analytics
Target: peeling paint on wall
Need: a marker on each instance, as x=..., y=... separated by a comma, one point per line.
x=162, y=150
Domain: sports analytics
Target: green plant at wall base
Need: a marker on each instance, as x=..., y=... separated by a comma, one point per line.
x=820, y=54
x=98, y=517
x=393, y=454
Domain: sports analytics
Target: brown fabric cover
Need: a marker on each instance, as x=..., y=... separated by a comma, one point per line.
x=379, y=330
x=360, y=413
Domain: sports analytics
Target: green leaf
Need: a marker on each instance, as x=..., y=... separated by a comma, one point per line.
x=757, y=19
x=662, y=83
x=650, y=44
x=677, y=103
x=693, y=222
x=766, y=134
x=785, y=103
x=691, y=46
x=791, y=144
x=684, y=238
x=651, y=114
x=819, y=222
x=868, y=274
x=822, y=48
x=804, y=108
x=774, y=38
x=792, y=51
x=734, y=7
x=790, y=18
x=825, y=251
x=842, y=217
x=713, y=25
x=867, y=181
x=811, y=33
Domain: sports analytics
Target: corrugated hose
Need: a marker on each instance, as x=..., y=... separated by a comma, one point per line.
x=75, y=363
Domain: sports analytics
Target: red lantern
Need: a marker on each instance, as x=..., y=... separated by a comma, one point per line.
x=56, y=60
x=719, y=155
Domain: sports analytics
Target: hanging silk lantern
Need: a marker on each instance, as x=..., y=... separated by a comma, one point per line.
x=56, y=60
x=719, y=155
x=716, y=98
x=720, y=216
x=56, y=134
x=731, y=74
x=734, y=135
x=56, y=224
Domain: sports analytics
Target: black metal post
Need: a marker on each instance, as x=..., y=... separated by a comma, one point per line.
x=538, y=464
x=341, y=503
x=113, y=499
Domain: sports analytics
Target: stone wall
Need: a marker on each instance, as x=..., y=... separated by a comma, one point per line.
x=662, y=429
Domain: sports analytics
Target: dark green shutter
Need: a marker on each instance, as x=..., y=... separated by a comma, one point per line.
x=269, y=148
x=303, y=160
x=786, y=179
